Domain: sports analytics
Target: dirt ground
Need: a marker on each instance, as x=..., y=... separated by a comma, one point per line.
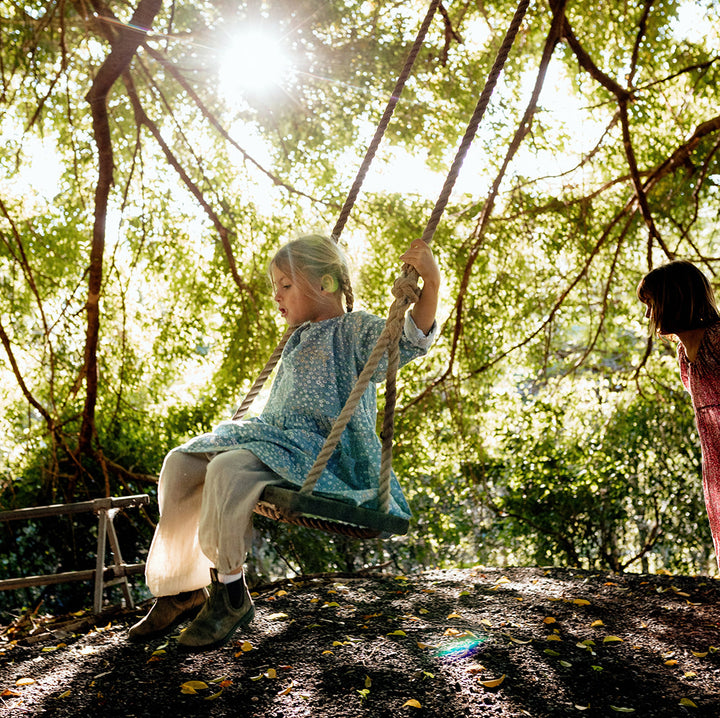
x=477, y=642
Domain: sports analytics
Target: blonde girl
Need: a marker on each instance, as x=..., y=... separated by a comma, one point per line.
x=210, y=485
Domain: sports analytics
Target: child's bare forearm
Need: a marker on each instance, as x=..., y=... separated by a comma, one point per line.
x=424, y=310
x=421, y=258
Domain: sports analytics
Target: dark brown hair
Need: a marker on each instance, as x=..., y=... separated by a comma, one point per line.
x=680, y=298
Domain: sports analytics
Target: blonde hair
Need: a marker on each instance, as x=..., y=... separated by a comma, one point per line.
x=680, y=298
x=316, y=261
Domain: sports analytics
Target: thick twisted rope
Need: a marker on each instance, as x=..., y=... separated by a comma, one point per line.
x=477, y=116
x=406, y=292
x=352, y=195
x=388, y=430
x=384, y=121
x=264, y=374
x=313, y=522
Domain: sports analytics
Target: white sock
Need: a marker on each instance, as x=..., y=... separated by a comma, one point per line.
x=229, y=577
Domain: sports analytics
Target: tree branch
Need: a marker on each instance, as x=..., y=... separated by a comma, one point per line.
x=478, y=236
x=124, y=45
x=5, y=339
x=223, y=232
x=212, y=119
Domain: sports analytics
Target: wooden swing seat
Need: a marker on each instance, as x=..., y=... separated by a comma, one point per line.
x=284, y=502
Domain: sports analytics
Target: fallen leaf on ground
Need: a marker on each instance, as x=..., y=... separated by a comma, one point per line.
x=287, y=690
x=192, y=687
x=517, y=640
x=475, y=669
x=493, y=683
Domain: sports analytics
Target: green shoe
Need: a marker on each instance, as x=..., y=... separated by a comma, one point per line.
x=218, y=619
x=166, y=613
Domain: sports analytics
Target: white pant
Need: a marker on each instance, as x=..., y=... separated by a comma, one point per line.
x=206, y=504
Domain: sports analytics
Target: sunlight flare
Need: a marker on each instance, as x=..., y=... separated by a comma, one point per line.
x=253, y=62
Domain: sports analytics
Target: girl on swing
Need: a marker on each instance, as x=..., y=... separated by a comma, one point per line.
x=209, y=486
x=680, y=303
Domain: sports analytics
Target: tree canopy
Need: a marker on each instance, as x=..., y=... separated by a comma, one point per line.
x=155, y=154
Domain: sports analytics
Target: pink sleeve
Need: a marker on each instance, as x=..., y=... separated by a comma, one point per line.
x=682, y=361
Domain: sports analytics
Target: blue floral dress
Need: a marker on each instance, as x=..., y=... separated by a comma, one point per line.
x=319, y=367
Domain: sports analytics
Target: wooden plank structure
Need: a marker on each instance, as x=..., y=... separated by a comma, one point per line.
x=102, y=576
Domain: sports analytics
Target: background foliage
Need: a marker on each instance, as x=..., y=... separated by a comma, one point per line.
x=144, y=186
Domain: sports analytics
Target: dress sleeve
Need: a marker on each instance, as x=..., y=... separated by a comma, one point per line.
x=682, y=361
x=416, y=336
x=367, y=328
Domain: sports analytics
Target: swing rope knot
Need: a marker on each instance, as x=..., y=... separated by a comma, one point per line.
x=406, y=286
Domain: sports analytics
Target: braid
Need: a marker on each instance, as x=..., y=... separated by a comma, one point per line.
x=347, y=289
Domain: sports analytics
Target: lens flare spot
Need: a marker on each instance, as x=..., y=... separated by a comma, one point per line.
x=465, y=647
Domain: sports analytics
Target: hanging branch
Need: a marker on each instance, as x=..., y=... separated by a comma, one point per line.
x=196, y=160
x=172, y=70
x=124, y=45
x=478, y=235
x=639, y=36
x=5, y=339
x=22, y=259
x=142, y=119
x=606, y=296
x=450, y=34
x=681, y=154
x=637, y=184
x=623, y=97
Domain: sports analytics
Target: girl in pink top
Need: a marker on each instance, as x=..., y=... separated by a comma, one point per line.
x=680, y=302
